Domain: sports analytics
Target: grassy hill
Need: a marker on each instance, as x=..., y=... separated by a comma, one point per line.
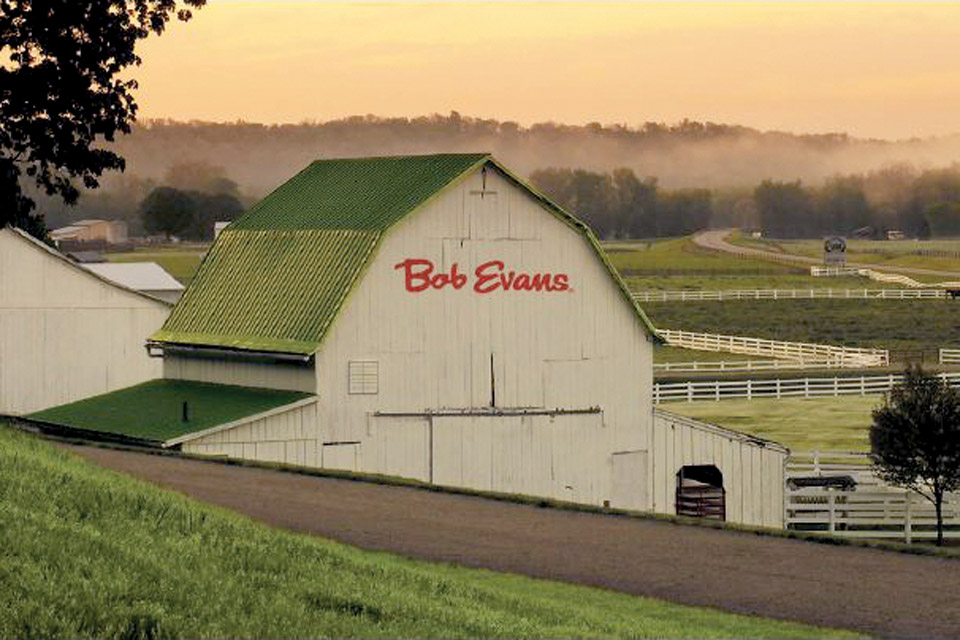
x=85, y=552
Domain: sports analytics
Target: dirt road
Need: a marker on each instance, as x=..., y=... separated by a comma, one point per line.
x=882, y=593
x=716, y=239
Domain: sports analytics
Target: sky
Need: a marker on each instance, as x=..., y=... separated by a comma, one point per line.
x=885, y=70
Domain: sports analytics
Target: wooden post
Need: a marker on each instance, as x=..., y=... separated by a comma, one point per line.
x=907, y=524
x=831, y=525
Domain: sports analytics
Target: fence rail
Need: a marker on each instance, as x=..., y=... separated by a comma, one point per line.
x=695, y=390
x=804, y=352
x=949, y=356
x=880, y=276
x=789, y=294
x=734, y=366
x=873, y=509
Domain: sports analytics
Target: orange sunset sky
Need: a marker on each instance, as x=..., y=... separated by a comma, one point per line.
x=888, y=70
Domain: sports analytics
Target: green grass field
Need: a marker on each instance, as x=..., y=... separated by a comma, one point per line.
x=888, y=324
x=180, y=262
x=803, y=424
x=727, y=282
x=889, y=253
x=662, y=353
x=88, y=553
x=679, y=256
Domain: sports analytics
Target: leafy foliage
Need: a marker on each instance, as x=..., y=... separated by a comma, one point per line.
x=61, y=93
x=915, y=438
x=189, y=214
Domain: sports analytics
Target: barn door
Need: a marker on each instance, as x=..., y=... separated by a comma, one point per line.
x=700, y=492
x=476, y=452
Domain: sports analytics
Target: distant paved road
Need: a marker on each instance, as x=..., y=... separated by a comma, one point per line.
x=716, y=239
x=881, y=593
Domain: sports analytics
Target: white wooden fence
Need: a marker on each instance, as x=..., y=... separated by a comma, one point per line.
x=733, y=366
x=695, y=390
x=879, y=276
x=798, y=351
x=873, y=509
x=947, y=356
x=832, y=272
x=789, y=294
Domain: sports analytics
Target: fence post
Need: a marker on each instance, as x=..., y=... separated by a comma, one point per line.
x=907, y=525
x=831, y=524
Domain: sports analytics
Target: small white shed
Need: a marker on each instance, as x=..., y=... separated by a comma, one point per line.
x=146, y=277
x=67, y=333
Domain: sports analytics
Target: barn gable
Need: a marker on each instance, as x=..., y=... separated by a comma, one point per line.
x=66, y=332
x=278, y=276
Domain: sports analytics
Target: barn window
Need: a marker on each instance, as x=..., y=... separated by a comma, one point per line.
x=363, y=377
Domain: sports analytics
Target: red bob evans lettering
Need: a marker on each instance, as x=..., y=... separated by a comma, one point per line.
x=420, y=274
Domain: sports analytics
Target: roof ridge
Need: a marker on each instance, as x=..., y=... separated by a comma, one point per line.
x=399, y=156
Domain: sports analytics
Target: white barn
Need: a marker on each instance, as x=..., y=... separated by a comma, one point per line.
x=445, y=322
x=66, y=333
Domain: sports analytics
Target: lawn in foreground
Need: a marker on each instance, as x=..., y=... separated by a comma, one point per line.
x=803, y=424
x=90, y=553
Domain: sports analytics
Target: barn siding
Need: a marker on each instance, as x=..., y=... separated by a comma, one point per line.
x=752, y=473
x=569, y=350
x=290, y=377
x=574, y=350
x=64, y=333
x=288, y=437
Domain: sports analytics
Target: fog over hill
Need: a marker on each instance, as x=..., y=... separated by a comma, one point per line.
x=688, y=154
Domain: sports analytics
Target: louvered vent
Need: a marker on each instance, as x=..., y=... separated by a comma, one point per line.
x=364, y=377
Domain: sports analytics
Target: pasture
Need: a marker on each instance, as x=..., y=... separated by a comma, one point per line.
x=179, y=261
x=98, y=554
x=924, y=254
x=803, y=424
x=885, y=324
x=680, y=256
x=678, y=264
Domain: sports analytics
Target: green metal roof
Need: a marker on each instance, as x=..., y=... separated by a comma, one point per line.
x=277, y=276
x=153, y=411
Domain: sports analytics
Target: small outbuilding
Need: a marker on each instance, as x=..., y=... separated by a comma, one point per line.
x=146, y=277
x=438, y=319
x=67, y=333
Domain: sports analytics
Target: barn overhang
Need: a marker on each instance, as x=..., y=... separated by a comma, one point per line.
x=157, y=349
x=165, y=413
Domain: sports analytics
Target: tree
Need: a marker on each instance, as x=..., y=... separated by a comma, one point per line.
x=842, y=206
x=167, y=210
x=915, y=438
x=62, y=94
x=200, y=176
x=209, y=208
x=784, y=209
x=636, y=204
